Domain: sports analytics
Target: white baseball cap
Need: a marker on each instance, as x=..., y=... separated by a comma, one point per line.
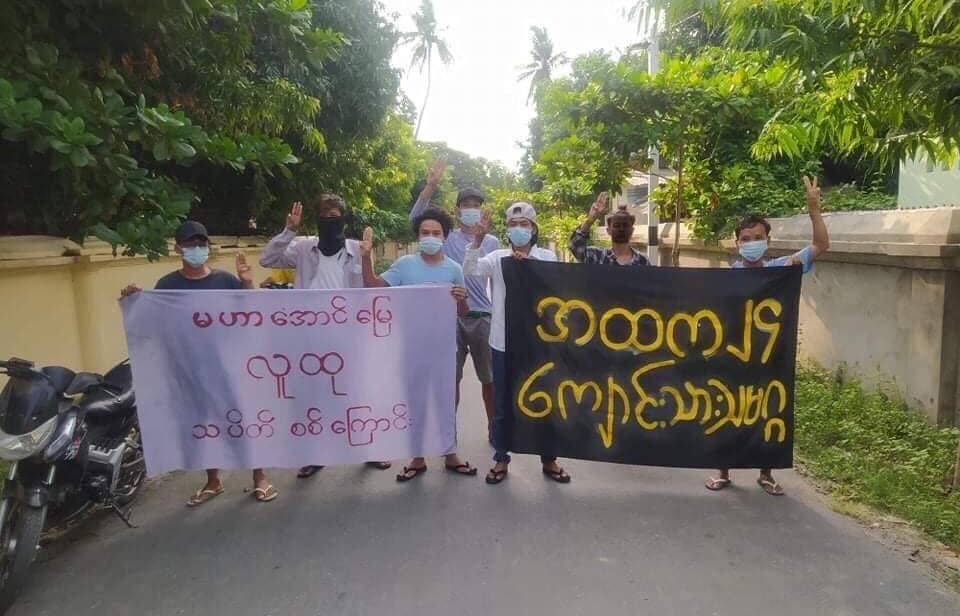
x=521, y=209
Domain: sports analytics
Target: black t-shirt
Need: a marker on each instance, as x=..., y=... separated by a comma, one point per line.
x=215, y=280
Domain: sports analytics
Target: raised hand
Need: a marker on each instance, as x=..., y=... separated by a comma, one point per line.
x=436, y=171
x=295, y=216
x=244, y=271
x=480, y=229
x=366, y=244
x=812, y=191
x=129, y=290
x=599, y=206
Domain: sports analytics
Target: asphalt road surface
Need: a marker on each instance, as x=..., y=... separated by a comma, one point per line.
x=352, y=541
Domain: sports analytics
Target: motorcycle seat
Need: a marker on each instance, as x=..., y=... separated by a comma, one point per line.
x=115, y=394
x=102, y=402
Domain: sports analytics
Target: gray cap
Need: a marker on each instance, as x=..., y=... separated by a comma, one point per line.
x=521, y=209
x=470, y=193
x=190, y=229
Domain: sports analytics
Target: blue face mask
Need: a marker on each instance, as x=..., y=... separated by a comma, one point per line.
x=430, y=245
x=470, y=216
x=753, y=251
x=519, y=236
x=196, y=256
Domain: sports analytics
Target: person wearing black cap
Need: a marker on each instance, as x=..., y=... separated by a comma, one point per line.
x=473, y=328
x=193, y=246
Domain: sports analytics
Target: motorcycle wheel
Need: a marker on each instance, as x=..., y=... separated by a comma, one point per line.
x=19, y=540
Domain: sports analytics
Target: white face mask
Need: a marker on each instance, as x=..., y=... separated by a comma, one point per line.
x=196, y=256
x=753, y=251
x=470, y=216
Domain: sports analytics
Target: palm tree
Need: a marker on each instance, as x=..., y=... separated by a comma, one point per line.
x=540, y=70
x=425, y=41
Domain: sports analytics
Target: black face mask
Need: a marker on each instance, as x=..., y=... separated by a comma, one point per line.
x=331, y=238
x=621, y=236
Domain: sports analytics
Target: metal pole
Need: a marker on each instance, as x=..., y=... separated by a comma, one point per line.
x=653, y=179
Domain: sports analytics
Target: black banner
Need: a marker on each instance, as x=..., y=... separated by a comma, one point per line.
x=656, y=366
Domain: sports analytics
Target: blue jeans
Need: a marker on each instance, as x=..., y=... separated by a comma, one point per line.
x=503, y=410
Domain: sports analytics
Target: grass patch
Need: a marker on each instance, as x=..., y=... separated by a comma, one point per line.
x=877, y=451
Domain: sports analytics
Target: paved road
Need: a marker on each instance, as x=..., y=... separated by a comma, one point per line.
x=351, y=541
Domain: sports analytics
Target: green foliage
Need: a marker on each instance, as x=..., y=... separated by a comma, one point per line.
x=876, y=451
x=120, y=118
x=850, y=198
x=881, y=79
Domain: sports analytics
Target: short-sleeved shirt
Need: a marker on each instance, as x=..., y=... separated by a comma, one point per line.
x=478, y=300
x=412, y=269
x=214, y=281
x=805, y=257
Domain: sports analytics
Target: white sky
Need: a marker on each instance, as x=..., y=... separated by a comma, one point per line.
x=476, y=103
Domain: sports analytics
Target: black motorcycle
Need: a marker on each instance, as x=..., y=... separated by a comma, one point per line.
x=72, y=441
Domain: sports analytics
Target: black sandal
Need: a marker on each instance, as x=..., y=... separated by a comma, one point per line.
x=462, y=469
x=559, y=475
x=494, y=476
x=404, y=476
x=308, y=471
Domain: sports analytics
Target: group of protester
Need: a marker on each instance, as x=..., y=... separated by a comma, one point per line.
x=465, y=256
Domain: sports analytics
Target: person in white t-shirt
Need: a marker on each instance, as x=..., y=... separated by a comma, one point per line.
x=325, y=261
x=522, y=233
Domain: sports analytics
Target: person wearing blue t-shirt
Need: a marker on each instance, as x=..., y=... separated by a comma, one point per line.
x=753, y=234
x=473, y=328
x=428, y=266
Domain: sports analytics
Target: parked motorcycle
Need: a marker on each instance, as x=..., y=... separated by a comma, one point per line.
x=73, y=443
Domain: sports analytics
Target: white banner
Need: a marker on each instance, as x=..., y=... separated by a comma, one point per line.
x=285, y=378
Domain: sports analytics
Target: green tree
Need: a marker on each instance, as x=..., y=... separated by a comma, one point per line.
x=105, y=108
x=426, y=40
x=120, y=118
x=543, y=62
x=882, y=78
x=702, y=113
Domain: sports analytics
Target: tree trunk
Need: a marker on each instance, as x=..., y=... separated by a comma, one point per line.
x=423, y=108
x=675, y=253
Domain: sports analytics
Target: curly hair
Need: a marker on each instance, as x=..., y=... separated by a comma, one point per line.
x=432, y=213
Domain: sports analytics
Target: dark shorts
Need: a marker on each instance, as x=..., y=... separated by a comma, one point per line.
x=473, y=336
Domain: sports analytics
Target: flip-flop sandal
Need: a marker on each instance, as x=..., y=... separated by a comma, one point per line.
x=308, y=471
x=382, y=466
x=770, y=487
x=494, y=477
x=203, y=496
x=717, y=483
x=265, y=495
x=462, y=469
x=559, y=475
x=406, y=476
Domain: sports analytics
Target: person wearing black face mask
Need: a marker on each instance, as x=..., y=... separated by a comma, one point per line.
x=620, y=229
x=325, y=261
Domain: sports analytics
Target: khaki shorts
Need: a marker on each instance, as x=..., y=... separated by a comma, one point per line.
x=473, y=336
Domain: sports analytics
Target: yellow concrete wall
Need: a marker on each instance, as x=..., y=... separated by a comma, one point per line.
x=69, y=315
x=38, y=315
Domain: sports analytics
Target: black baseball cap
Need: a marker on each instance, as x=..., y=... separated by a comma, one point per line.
x=190, y=229
x=470, y=193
